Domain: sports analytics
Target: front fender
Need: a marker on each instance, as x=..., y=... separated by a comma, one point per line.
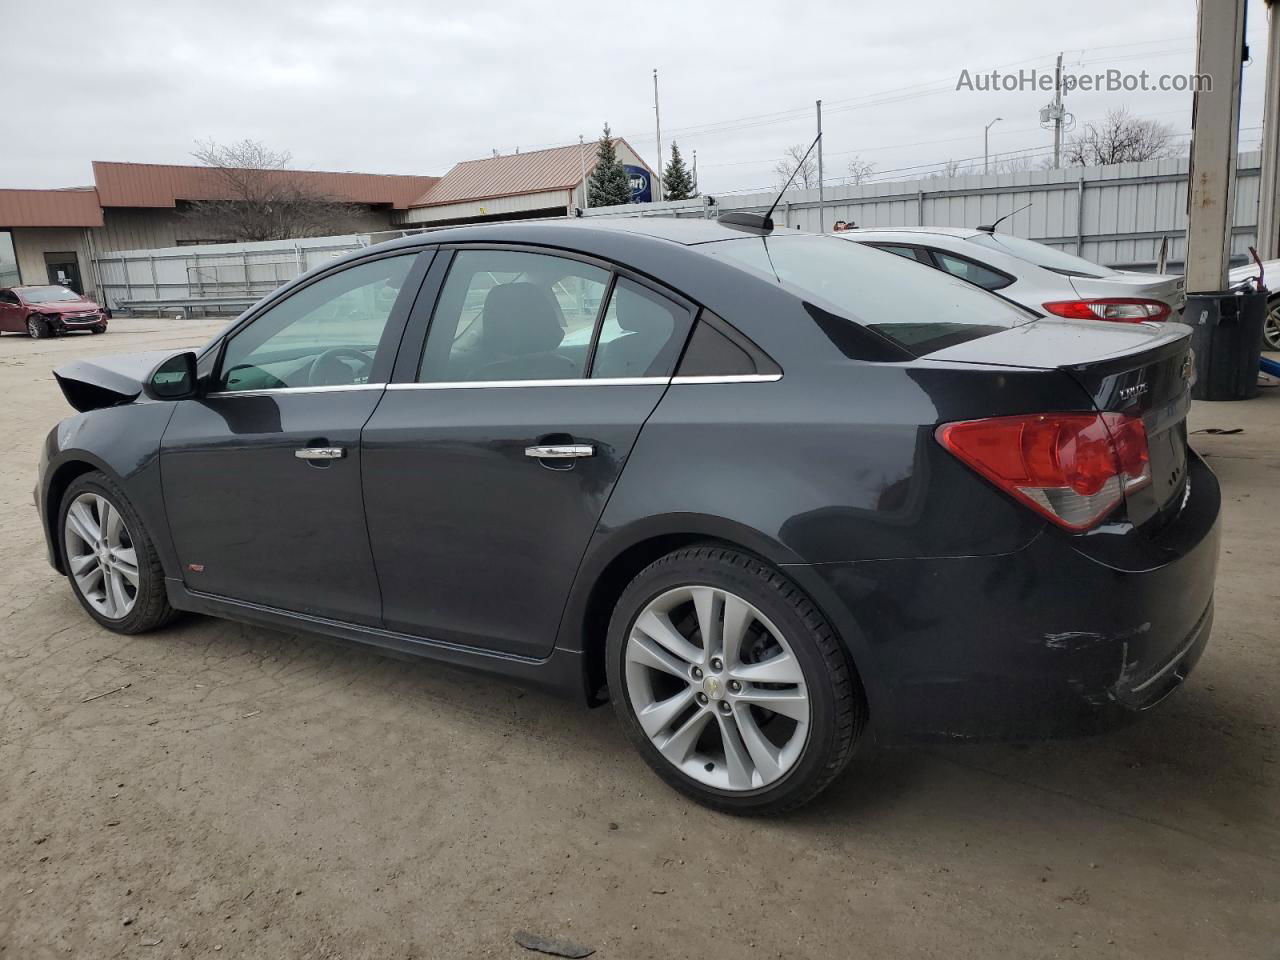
x=124, y=443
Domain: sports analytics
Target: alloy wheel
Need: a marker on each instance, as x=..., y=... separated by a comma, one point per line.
x=33, y=328
x=101, y=555
x=716, y=688
x=1271, y=326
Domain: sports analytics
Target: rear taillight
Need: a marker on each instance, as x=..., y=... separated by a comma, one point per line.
x=1073, y=468
x=1116, y=309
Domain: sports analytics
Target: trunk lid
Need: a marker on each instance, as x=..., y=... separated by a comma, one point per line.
x=1146, y=286
x=1143, y=370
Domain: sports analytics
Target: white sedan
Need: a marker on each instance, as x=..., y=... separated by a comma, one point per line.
x=1037, y=276
x=1271, y=277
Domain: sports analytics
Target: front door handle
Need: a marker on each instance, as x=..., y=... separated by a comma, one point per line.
x=320, y=453
x=560, y=451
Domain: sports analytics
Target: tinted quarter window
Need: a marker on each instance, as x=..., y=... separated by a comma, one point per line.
x=641, y=334
x=975, y=273
x=326, y=334
x=506, y=315
x=919, y=310
x=712, y=354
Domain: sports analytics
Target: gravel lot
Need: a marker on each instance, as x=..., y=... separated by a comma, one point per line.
x=258, y=794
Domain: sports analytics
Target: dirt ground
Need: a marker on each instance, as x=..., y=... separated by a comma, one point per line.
x=248, y=793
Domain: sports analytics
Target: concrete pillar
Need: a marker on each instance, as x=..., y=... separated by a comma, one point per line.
x=1214, y=143
x=1269, y=191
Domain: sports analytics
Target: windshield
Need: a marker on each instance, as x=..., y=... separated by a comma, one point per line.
x=918, y=308
x=1041, y=255
x=47, y=294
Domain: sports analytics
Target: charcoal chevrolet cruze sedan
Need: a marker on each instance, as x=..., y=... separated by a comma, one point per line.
x=768, y=493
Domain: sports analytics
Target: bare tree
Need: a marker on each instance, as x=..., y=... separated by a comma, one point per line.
x=806, y=172
x=1014, y=163
x=259, y=198
x=860, y=171
x=1120, y=138
x=952, y=168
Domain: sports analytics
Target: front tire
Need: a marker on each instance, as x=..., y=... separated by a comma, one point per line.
x=731, y=683
x=101, y=328
x=111, y=560
x=37, y=329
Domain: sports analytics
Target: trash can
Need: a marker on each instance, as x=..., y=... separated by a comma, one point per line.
x=1227, y=338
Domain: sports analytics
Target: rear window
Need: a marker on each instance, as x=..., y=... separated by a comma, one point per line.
x=916, y=307
x=1041, y=255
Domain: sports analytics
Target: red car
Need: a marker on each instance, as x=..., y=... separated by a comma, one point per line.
x=49, y=311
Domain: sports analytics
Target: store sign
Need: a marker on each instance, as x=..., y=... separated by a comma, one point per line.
x=641, y=183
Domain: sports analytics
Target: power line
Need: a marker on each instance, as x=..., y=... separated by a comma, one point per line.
x=881, y=176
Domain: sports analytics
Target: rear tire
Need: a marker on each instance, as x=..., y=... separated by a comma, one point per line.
x=702, y=714
x=37, y=329
x=110, y=558
x=1271, y=325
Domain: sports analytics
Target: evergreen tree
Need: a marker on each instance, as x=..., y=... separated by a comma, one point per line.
x=677, y=182
x=608, y=183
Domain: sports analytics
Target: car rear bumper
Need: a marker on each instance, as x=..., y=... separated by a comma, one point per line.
x=1069, y=635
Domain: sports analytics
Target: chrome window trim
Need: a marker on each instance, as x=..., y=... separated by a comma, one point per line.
x=732, y=378
x=490, y=384
x=271, y=391
x=584, y=382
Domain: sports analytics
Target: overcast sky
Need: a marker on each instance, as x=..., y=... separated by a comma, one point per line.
x=413, y=87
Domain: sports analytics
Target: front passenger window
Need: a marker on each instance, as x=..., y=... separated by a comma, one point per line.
x=326, y=334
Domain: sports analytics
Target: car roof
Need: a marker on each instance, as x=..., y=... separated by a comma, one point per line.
x=688, y=231
x=872, y=232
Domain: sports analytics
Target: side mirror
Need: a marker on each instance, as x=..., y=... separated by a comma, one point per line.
x=174, y=379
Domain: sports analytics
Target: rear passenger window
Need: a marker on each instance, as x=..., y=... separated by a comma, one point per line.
x=975, y=273
x=641, y=335
x=504, y=315
x=908, y=252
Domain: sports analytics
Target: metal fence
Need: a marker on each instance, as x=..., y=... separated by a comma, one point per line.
x=1114, y=215
x=215, y=278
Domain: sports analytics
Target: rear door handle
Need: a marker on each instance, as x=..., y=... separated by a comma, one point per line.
x=560, y=451
x=320, y=453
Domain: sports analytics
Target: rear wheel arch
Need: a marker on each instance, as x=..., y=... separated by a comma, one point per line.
x=591, y=626
x=604, y=578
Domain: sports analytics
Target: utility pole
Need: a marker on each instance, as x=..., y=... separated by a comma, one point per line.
x=985, y=142
x=1269, y=202
x=821, y=209
x=657, y=120
x=1057, y=114
x=1214, y=141
x=582, y=163
x=695, y=172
